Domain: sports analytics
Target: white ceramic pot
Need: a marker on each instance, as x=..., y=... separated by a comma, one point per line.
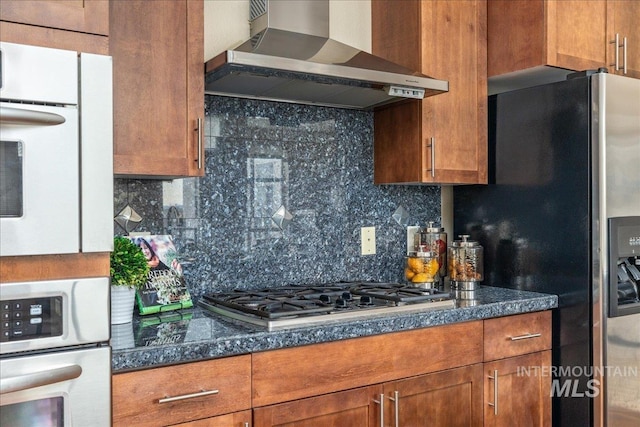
x=122, y=336
x=122, y=301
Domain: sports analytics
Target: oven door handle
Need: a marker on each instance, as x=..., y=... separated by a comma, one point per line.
x=37, y=379
x=16, y=116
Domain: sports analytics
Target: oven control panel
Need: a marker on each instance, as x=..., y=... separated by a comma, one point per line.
x=30, y=318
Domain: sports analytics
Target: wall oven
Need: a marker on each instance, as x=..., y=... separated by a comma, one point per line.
x=55, y=362
x=56, y=131
x=56, y=198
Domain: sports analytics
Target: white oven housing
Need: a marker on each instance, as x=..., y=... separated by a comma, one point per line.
x=56, y=151
x=72, y=312
x=55, y=364
x=66, y=388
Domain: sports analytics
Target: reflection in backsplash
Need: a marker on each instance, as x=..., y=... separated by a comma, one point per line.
x=286, y=191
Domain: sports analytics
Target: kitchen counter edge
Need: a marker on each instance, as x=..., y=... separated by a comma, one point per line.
x=205, y=336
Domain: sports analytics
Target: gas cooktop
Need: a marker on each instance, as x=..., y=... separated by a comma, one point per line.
x=291, y=306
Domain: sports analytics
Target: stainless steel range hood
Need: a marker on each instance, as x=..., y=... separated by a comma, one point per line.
x=291, y=58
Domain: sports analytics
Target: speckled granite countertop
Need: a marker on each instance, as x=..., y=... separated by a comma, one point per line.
x=200, y=335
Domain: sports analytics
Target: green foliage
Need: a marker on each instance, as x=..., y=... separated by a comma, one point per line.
x=129, y=266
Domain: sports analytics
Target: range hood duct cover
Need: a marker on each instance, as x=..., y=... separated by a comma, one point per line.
x=290, y=58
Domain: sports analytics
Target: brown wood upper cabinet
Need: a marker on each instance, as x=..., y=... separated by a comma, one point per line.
x=441, y=139
x=73, y=15
x=158, y=83
x=573, y=35
x=623, y=18
x=77, y=25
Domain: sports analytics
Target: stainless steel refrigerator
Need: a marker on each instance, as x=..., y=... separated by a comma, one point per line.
x=561, y=215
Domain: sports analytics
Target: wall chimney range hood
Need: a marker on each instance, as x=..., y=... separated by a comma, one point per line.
x=290, y=58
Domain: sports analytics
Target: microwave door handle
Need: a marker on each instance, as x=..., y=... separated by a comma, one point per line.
x=16, y=116
x=37, y=379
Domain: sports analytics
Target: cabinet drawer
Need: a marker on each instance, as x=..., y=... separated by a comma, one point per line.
x=516, y=335
x=237, y=419
x=137, y=396
x=294, y=373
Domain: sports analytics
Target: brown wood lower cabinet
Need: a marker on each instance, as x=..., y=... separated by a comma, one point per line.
x=516, y=389
x=187, y=393
x=443, y=376
x=237, y=419
x=351, y=408
x=451, y=398
x=517, y=392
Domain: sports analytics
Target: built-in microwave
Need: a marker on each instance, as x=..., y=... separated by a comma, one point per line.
x=56, y=151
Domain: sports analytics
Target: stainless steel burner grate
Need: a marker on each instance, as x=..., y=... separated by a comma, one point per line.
x=290, y=306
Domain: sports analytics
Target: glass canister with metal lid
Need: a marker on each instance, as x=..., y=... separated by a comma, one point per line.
x=422, y=269
x=433, y=239
x=466, y=260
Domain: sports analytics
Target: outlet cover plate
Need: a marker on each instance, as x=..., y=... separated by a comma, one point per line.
x=368, y=241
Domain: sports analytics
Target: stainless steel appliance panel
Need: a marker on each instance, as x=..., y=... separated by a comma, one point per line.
x=82, y=311
x=96, y=142
x=616, y=142
x=617, y=128
x=56, y=146
x=48, y=220
x=623, y=384
x=68, y=388
x=52, y=74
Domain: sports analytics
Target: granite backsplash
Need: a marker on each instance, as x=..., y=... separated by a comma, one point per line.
x=286, y=190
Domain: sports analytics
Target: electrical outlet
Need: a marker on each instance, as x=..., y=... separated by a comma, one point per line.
x=368, y=241
x=411, y=235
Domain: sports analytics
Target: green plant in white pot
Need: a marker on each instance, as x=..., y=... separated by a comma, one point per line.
x=129, y=271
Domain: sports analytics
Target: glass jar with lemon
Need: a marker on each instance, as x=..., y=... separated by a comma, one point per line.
x=422, y=269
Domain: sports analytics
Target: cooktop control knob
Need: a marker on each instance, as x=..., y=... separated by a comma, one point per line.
x=325, y=298
x=347, y=296
x=341, y=303
x=365, y=300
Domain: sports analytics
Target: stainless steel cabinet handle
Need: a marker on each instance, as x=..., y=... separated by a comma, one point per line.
x=37, y=379
x=624, y=56
x=396, y=407
x=617, y=44
x=381, y=402
x=432, y=145
x=525, y=337
x=199, y=130
x=188, y=396
x=495, y=391
x=17, y=116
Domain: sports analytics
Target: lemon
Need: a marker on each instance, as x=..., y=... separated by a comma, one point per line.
x=416, y=265
x=421, y=277
x=408, y=273
x=432, y=267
